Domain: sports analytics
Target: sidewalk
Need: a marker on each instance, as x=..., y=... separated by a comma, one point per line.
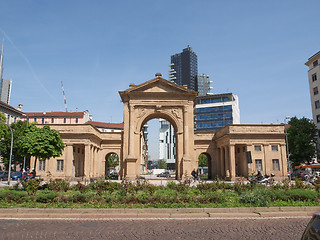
x=255, y=212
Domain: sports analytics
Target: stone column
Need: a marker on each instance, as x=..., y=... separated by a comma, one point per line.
x=131, y=160
x=185, y=133
x=87, y=160
x=218, y=170
x=232, y=162
x=68, y=160
x=283, y=162
x=267, y=160
x=249, y=149
x=131, y=132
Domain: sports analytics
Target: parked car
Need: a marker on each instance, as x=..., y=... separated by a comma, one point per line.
x=4, y=176
x=299, y=173
x=16, y=175
x=164, y=174
x=312, y=230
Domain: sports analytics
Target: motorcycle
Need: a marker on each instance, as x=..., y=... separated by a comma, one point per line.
x=265, y=180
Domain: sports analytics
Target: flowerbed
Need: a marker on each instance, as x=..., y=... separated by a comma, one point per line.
x=141, y=194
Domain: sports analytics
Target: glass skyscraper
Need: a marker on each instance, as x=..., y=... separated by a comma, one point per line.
x=184, y=68
x=203, y=82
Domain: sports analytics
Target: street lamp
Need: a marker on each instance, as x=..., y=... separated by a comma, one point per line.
x=24, y=158
x=288, y=160
x=10, y=158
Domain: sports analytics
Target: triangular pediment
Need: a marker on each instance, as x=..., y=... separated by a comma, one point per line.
x=158, y=85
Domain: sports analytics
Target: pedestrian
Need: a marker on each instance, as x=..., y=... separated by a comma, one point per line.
x=194, y=174
x=33, y=172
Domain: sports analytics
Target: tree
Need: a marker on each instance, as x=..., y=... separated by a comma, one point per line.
x=3, y=127
x=113, y=160
x=162, y=164
x=203, y=160
x=302, y=140
x=18, y=130
x=41, y=143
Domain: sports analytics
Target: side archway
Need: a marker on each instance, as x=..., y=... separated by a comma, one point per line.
x=205, y=164
x=111, y=164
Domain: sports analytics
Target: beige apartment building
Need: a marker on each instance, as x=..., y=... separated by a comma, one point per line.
x=233, y=151
x=314, y=86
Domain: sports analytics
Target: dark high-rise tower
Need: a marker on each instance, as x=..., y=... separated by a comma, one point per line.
x=184, y=68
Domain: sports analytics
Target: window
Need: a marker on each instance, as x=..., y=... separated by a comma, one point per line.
x=59, y=165
x=258, y=164
x=52, y=120
x=274, y=148
x=238, y=150
x=243, y=149
x=42, y=120
x=257, y=148
x=318, y=118
x=315, y=63
x=315, y=91
x=314, y=77
x=77, y=120
x=317, y=104
x=74, y=149
x=275, y=165
x=64, y=120
x=42, y=165
x=35, y=119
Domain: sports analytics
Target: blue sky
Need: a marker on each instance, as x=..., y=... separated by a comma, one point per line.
x=255, y=49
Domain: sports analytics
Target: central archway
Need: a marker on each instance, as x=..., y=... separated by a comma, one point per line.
x=158, y=98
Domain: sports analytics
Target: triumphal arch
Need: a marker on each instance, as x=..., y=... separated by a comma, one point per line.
x=158, y=98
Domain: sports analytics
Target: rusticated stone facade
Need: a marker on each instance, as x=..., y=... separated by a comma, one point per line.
x=87, y=148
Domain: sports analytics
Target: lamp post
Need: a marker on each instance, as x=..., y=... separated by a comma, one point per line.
x=288, y=160
x=24, y=158
x=10, y=158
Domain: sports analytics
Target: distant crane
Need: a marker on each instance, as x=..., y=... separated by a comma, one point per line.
x=64, y=97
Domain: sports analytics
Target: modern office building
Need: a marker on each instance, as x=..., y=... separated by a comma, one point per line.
x=213, y=112
x=204, y=83
x=167, y=143
x=314, y=85
x=5, y=90
x=184, y=68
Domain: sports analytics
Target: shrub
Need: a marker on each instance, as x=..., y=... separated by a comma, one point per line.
x=79, y=187
x=59, y=185
x=256, y=198
x=302, y=195
x=13, y=196
x=298, y=184
x=31, y=186
x=46, y=196
x=78, y=198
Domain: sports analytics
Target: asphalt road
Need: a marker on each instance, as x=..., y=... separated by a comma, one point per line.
x=142, y=228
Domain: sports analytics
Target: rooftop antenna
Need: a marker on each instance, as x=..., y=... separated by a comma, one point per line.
x=64, y=97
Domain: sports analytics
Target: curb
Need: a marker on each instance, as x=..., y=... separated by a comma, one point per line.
x=254, y=212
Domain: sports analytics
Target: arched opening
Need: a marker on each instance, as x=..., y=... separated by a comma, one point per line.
x=205, y=166
x=158, y=148
x=112, y=165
